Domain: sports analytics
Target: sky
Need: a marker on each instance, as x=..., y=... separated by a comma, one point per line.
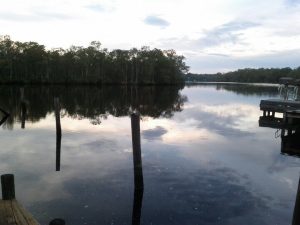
x=214, y=36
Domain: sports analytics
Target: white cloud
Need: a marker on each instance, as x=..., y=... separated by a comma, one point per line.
x=205, y=31
x=156, y=21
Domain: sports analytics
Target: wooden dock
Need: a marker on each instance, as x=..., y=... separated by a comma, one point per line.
x=290, y=110
x=271, y=106
x=11, y=212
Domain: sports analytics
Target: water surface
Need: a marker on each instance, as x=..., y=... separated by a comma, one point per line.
x=205, y=159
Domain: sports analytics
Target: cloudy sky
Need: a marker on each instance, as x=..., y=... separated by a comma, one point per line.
x=214, y=35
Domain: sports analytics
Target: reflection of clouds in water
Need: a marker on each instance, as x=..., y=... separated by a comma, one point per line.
x=93, y=200
x=34, y=163
x=281, y=162
x=187, y=195
x=226, y=120
x=201, y=194
x=155, y=133
x=181, y=185
x=219, y=197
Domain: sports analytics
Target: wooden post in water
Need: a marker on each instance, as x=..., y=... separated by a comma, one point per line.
x=57, y=222
x=23, y=114
x=58, y=132
x=296, y=215
x=137, y=206
x=6, y=115
x=138, y=169
x=8, y=186
x=23, y=109
x=136, y=147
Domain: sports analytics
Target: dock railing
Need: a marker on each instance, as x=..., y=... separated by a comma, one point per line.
x=289, y=88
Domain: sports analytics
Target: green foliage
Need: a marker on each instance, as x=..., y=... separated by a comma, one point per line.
x=30, y=62
x=261, y=75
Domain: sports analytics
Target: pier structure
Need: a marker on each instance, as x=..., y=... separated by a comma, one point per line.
x=287, y=105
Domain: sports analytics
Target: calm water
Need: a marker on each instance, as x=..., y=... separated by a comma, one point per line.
x=205, y=159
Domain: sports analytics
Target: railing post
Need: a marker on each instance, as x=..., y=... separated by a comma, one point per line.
x=8, y=186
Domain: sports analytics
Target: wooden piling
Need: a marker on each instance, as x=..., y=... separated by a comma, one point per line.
x=136, y=146
x=23, y=108
x=137, y=206
x=57, y=222
x=296, y=215
x=58, y=132
x=8, y=186
x=138, y=169
x=273, y=114
x=23, y=114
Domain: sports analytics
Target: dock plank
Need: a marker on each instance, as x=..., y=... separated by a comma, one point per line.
x=22, y=213
x=12, y=213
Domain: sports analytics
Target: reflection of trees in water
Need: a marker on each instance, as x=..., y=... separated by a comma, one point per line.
x=243, y=89
x=92, y=102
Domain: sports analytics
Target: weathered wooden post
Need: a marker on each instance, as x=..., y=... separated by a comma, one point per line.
x=136, y=147
x=273, y=114
x=57, y=222
x=137, y=206
x=58, y=132
x=23, y=109
x=8, y=186
x=265, y=113
x=6, y=115
x=296, y=215
x=23, y=114
x=138, y=169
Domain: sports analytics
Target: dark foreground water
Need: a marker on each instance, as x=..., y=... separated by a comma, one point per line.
x=205, y=159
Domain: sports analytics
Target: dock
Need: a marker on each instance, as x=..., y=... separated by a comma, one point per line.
x=271, y=106
x=288, y=104
x=283, y=114
x=11, y=212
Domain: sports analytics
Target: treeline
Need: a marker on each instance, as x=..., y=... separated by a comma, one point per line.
x=32, y=103
x=242, y=89
x=261, y=75
x=30, y=62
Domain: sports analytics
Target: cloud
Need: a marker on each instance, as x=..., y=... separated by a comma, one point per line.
x=34, y=16
x=292, y=2
x=96, y=7
x=208, y=63
x=156, y=21
x=226, y=33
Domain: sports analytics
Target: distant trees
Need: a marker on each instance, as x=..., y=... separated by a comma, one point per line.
x=30, y=62
x=248, y=75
